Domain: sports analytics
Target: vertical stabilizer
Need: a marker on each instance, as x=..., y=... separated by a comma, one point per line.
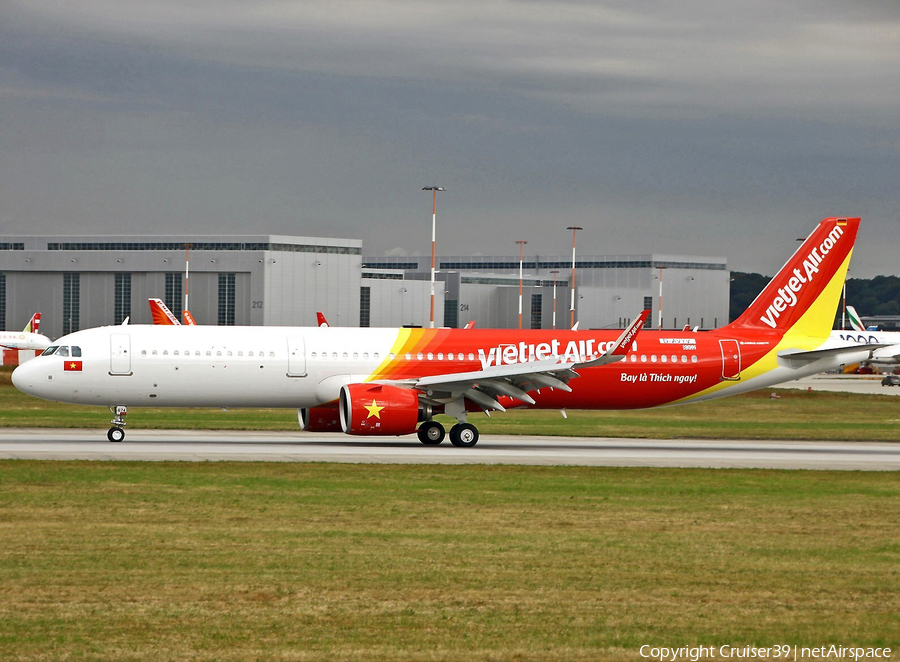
x=34, y=324
x=161, y=313
x=855, y=322
x=803, y=296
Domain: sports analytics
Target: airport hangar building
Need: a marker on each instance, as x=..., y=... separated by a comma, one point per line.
x=80, y=282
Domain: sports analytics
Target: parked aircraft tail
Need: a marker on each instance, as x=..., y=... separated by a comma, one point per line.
x=161, y=313
x=855, y=322
x=34, y=324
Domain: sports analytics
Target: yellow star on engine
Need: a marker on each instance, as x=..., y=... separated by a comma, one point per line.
x=374, y=410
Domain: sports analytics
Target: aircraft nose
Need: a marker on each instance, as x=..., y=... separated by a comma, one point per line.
x=23, y=377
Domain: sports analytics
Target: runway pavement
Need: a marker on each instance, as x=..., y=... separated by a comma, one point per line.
x=846, y=383
x=198, y=446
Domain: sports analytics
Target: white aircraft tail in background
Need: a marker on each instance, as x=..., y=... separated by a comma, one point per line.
x=855, y=321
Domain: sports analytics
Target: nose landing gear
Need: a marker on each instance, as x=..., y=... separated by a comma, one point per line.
x=116, y=433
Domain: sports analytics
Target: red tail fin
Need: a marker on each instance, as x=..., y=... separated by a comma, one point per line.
x=817, y=269
x=161, y=313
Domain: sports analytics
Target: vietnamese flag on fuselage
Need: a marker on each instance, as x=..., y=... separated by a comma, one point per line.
x=72, y=366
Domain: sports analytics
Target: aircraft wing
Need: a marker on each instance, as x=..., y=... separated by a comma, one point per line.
x=483, y=387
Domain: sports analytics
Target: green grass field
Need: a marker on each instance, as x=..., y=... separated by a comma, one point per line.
x=230, y=561
x=795, y=415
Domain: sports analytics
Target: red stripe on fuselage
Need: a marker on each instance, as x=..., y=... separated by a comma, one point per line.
x=693, y=362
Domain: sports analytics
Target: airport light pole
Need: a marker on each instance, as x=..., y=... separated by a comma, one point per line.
x=659, y=326
x=521, y=243
x=555, y=273
x=574, y=229
x=187, y=276
x=434, y=191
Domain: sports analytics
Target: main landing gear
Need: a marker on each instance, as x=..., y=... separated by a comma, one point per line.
x=462, y=435
x=116, y=433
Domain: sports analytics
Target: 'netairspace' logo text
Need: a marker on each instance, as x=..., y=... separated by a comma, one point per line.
x=784, y=652
x=787, y=295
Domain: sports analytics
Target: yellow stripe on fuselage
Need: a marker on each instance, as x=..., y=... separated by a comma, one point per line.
x=398, y=350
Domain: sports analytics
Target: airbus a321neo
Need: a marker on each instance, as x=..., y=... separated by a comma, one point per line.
x=394, y=381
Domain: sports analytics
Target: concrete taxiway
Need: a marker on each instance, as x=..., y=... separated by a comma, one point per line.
x=200, y=446
x=860, y=384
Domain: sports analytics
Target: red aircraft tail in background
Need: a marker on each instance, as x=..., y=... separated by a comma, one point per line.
x=163, y=316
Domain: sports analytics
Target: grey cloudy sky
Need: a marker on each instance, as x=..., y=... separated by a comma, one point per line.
x=694, y=127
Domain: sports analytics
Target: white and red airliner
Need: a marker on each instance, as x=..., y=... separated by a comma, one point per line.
x=393, y=381
x=28, y=338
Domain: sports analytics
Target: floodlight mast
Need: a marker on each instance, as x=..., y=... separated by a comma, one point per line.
x=574, y=229
x=521, y=243
x=555, y=273
x=434, y=190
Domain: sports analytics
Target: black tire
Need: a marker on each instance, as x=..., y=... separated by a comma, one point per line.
x=464, y=435
x=115, y=434
x=431, y=433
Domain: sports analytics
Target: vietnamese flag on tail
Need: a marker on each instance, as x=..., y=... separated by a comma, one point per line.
x=72, y=365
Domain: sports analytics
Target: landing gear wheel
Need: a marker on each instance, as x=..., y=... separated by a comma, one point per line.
x=464, y=435
x=115, y=434
x=431, y=433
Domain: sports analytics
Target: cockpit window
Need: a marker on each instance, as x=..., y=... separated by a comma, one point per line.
x=62, y=351
x=50, y=350
x=76, y=350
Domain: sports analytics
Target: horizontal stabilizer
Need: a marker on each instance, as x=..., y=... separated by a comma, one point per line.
x=852, y=352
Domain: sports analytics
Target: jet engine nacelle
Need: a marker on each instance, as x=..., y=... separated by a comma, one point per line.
x=320, y=419
x=378, y=409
